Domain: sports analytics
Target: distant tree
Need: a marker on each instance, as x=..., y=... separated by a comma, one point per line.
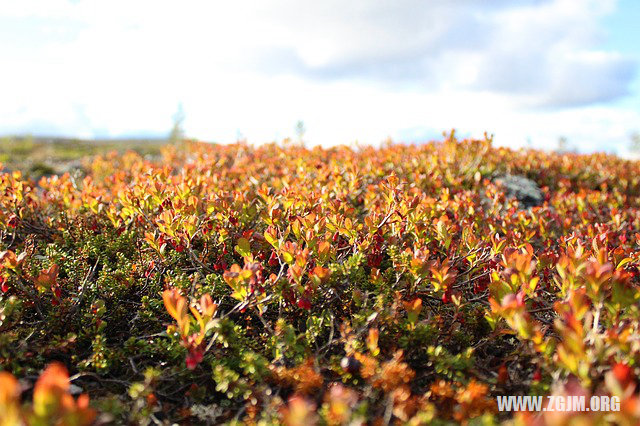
x=563, y=144
x=177, y=131
x=635, y=142
x=300, y=130
x=240, y=136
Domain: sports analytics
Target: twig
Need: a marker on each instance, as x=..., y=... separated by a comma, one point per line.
x=89, y=276
x=32, y=295
x=545, y=309
x=384, y=221
x=472, y=279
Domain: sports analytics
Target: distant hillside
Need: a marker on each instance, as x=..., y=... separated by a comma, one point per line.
x=40, y=156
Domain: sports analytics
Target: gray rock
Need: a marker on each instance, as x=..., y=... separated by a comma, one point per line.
x=524, y=190
x=75, y=389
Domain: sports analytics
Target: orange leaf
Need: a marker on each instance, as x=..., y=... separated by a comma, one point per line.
x=208, y=307
x=48, y=277
x=9, y=259
x=9, y=399
x=51, y=398
x=174, y=303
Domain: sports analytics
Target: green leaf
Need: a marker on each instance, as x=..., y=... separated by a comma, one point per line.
x=272, y=238
x=244, y=249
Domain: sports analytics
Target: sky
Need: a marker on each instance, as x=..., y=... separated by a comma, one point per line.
x=357, y=71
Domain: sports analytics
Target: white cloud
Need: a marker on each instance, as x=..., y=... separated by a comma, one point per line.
x=352, y=70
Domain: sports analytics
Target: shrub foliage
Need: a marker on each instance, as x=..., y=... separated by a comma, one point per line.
x=284, y=284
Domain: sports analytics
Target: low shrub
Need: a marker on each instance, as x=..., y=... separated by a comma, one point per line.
x=289, y=285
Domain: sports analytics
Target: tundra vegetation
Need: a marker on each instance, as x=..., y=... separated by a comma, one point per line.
x=287, y=285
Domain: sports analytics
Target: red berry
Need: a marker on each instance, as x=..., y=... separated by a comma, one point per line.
x=304, y=303
x=194, y=358
x=4, y=287
x=623, y=373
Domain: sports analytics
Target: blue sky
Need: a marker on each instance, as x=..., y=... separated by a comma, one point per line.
x=623, y=35
x=528, y=71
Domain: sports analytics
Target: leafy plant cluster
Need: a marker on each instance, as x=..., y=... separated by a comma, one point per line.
x=270, y=284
